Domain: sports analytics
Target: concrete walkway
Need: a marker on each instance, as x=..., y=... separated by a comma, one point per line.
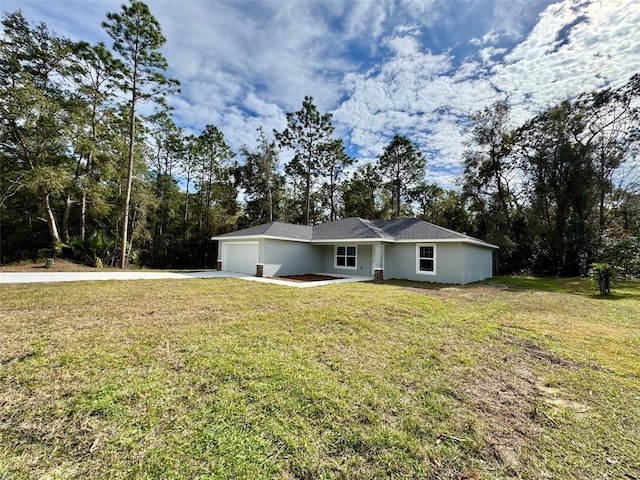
x=48, y=277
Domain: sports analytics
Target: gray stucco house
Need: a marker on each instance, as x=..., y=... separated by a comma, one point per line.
x=405, y=248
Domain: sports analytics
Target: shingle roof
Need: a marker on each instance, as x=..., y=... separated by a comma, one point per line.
x=414, y=229
x=275, y=229
x=349, y=228
x=358, y=228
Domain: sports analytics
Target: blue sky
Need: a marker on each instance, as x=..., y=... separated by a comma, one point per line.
x=414, y=67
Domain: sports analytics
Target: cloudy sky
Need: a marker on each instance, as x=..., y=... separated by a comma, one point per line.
x=413, y=67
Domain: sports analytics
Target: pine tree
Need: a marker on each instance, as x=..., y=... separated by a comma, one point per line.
x=137, y=39
x=402, y=164
x=307, y=131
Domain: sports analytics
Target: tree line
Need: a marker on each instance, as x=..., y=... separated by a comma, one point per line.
x=93, y=165
x=561, y=191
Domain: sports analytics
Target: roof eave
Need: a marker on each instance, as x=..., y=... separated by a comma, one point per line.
x=350, y=240
x=448, y=240
x=260, y=236
x=330, y=241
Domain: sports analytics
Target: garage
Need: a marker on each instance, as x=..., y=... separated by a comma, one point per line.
x=240, y=257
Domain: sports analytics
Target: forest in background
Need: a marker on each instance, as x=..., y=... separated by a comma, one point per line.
x=94, y=167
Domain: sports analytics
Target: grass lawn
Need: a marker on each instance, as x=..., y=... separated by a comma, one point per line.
x=224, y=378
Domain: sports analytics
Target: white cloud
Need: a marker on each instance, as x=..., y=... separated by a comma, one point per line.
x=602, y=49
x=422, y=7
x=511, y=20
x=414, y=93
x=364, y=23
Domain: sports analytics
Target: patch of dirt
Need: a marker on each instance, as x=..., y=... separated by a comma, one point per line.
x=514, y=403
x=537, y=353
x=308, y=277
x=468, y=292
x=506, y=402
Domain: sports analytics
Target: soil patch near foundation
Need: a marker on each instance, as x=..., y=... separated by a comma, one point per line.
x=307, y=277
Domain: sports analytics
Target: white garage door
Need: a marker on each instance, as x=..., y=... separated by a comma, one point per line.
x=240, y=257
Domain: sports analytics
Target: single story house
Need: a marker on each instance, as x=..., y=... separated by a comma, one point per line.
x=405, y=248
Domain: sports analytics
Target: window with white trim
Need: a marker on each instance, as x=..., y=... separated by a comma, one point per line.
x=346, y=256
x=426, y=259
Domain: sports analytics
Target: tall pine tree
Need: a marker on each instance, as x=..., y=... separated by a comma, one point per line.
x=307, y=132
x=137, y=38
x=402, y=164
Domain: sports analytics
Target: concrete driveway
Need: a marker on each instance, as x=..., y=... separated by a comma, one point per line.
x=48, y=277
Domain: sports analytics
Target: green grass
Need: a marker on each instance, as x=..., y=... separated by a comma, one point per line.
x=226, y=378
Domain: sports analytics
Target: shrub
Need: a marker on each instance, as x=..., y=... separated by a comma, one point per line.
x=624, y=253
x=605, y=275
x=96, y=250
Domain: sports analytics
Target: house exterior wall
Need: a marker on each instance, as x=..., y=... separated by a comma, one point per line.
x=479, y=263
x=455, y=263
x=363, y=260
x=284, y=257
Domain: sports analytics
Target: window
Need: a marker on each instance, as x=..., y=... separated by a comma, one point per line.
x=346, y=256
x=426, y=259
